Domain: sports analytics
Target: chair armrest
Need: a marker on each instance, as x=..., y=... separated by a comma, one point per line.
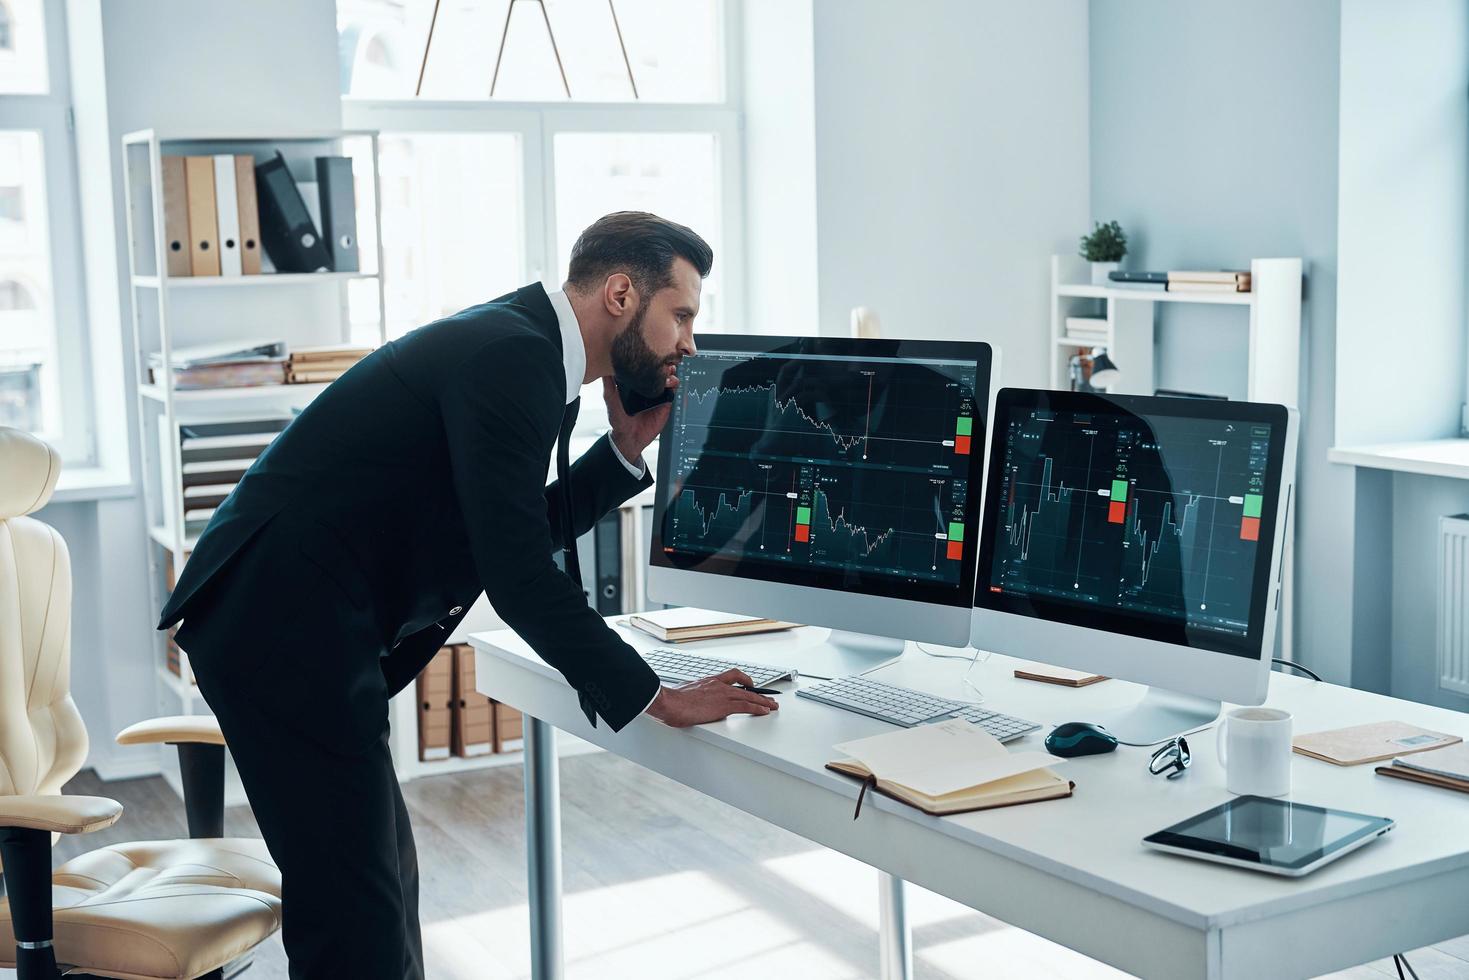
x=59, y=814
x=201, y=765
x=174, y=729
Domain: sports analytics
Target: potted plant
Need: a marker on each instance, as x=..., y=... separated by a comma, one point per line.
x=1104, y=249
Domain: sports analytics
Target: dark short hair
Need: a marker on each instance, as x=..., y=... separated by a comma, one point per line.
x=640, y=245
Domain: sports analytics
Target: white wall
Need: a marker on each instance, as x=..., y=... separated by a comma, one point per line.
x=778, y=92
x=175, y=66
x=1403, y=221
x=951, y=161
x=1402, y=310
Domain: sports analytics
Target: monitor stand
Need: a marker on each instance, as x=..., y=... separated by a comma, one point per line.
x=844, y=653
x=1159, y=716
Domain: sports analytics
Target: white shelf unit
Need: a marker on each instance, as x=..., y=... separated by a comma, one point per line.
x=173, y=311
x=1274, y=339
x=1274, y=306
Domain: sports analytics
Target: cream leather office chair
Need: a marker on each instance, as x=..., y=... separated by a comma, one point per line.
x=152, y=909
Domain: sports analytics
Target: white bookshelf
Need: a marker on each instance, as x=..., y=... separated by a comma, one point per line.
x=1270, y=328
x=174, y=311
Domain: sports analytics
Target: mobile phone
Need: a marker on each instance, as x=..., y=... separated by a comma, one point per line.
x=634, y=403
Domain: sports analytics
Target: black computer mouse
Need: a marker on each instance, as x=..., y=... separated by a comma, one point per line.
x=1079, y=738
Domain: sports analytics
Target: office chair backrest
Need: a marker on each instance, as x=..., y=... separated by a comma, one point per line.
x=42, y=739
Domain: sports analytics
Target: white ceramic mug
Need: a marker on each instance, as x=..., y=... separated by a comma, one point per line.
x=1254, y=748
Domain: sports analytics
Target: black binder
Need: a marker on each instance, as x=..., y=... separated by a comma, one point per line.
x=600, y=551
x=286, y=229
x=338, y=211
x=608, y=541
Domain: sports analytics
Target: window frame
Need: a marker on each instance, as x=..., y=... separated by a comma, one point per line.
x=49, y=114
x=537, y=125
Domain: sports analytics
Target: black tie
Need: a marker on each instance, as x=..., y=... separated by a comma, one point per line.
x=563, y=467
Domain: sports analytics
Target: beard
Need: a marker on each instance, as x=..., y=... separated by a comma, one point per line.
x=635, y=365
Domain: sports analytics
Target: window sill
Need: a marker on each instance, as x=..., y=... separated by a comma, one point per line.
x=1436, y=457
x=92, y=483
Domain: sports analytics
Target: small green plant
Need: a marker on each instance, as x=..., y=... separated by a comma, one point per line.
x=1106, y=243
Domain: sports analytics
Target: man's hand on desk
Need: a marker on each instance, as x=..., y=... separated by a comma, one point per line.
x=709, y=699
x=632, y=433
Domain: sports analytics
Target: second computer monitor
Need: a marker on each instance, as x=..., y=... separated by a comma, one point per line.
x=1139, y=538
x=827, y=481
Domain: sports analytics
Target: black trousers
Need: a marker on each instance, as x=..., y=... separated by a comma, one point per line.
x=289, y=685
x=337, y=828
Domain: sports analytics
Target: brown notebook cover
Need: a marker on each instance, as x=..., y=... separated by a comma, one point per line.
x=1029, y=787
x=1374, y=742
x=1059, y=675
x=1413, y=775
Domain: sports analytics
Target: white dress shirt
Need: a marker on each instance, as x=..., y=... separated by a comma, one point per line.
x=574, y=355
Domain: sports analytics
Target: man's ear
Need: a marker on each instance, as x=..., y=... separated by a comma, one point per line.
x=619, y=295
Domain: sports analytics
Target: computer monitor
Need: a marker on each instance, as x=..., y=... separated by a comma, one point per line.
x=1138, y=537
x=826, y=481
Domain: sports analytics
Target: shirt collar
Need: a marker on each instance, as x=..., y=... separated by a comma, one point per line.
x=573, y=349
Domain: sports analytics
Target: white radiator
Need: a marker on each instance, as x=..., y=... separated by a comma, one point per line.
x=1453, y=603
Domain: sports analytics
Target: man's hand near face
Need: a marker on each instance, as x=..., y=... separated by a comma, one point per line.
x=632, y=433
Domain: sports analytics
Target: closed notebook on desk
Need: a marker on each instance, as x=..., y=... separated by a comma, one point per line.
x=1376, y=742
x=951, y=767
x=1447, y=768
x=682, y=624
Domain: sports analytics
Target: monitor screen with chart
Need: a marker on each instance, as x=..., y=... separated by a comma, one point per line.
x=1148, y=517
x=843, y=465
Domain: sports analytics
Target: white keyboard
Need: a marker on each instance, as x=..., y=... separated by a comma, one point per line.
x=906, y=707
x=679, y=667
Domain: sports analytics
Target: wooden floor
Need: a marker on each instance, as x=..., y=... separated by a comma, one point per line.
x=661, y=882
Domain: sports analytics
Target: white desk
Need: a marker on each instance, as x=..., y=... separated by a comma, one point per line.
x=1071, y=870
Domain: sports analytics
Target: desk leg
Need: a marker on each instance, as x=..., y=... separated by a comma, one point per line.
x=895, y=946
x=543, y=849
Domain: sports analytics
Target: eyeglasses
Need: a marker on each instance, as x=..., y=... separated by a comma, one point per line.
x=1172, y=759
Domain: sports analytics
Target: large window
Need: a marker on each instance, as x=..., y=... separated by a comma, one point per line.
x=521, y=121
x=42, y=350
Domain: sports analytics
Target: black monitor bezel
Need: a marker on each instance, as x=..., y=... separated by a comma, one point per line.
x=1127, y=623
x=958, y=596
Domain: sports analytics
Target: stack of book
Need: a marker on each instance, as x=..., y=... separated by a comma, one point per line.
x=1182, y=282
x=314, y=365
x=1086, y=331
x=236, y=364
x=1446, y=768
x=1208, y=282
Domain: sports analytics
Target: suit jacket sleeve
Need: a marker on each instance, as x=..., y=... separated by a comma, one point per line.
x=599, y=483
x=502, y=410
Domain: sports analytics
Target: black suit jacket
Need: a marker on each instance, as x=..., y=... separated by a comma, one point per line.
x=352, y=546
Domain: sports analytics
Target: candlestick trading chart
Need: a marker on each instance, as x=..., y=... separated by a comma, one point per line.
x=840, y=463
x=1158, y=516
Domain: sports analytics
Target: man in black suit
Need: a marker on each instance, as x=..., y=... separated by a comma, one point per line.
x=353, y=545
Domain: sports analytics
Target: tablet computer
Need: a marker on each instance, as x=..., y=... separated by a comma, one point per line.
x=1277, y=836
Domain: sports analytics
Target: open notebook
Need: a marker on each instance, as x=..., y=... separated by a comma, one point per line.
x=950, y=767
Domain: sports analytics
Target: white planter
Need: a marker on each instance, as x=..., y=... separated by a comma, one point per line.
x=1100, y=270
